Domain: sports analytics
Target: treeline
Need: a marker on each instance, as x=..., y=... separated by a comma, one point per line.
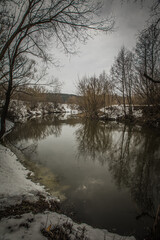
x=37, y=94
x=134, y=77
x=27, y=29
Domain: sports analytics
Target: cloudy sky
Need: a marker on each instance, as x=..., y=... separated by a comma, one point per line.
x=98, y=53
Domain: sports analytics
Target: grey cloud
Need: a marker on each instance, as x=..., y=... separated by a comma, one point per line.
x=98, y=54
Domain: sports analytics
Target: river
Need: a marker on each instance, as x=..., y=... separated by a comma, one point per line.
x=106, y=174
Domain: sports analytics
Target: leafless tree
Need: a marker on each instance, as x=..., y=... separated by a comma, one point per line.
x=26, y=27
x=107, y=89
x=43, y=19
x=56, y=89
x=122, y=74
x=91, y=92
x=147, y=63
x=154, y=22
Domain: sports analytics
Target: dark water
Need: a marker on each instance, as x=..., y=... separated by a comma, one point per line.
x=107, y=174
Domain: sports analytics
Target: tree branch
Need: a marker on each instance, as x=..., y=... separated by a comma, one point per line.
x=150, y=78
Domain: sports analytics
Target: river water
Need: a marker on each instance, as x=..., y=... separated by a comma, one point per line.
x=106, y=174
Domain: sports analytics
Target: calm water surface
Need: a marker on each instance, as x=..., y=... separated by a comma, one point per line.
x=107, y=175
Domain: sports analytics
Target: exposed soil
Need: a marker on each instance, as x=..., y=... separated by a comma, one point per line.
x=35, y=207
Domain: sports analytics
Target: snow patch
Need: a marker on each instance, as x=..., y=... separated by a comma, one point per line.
x=21, y=110
x=70, y=108
x=9, y=126
x=29, y=226
x=15, y=187
x=117, y=111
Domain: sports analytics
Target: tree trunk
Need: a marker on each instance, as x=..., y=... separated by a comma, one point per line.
x=5, y=107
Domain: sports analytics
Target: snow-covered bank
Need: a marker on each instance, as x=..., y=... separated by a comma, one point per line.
x=29, y=226
x=21, y=110
x=9, y=126
x=15, y=187
x=141, y=114
x=116, y=112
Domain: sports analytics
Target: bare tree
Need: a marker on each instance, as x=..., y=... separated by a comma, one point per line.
x=72, y=102
x=91, y=92
x=63, y=19
x=147, y=63
x=107, y=89
x=154, y=22
x=56, y=89
x=122, y=74
x=32, y=23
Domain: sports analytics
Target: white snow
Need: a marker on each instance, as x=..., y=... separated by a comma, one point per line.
x=9, y=126
x=14, y=228
x=113, y=112
x=15, y=186
x=116, y=111
x=21, y=110
x=138, y=113
x=70, y=108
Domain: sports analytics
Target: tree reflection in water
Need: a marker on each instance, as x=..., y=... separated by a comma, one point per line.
x=133, y=157
x=93, y=141
x=37, y=129
x=131, y=154
x=26, y=136
x=135, y=164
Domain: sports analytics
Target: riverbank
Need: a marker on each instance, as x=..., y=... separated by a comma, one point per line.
x=28, y=211
x=20, y=111
x=141, y=115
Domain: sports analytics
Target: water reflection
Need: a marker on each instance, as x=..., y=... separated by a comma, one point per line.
x=129, y=154
x=38, y=128
x=93, y=141
x=133, y=157
x=135, y=164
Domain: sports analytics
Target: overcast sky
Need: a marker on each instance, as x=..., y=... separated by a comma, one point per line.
x=98, y=54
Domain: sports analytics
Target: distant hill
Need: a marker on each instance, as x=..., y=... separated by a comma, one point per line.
x=63, y=96
x=44, y=97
